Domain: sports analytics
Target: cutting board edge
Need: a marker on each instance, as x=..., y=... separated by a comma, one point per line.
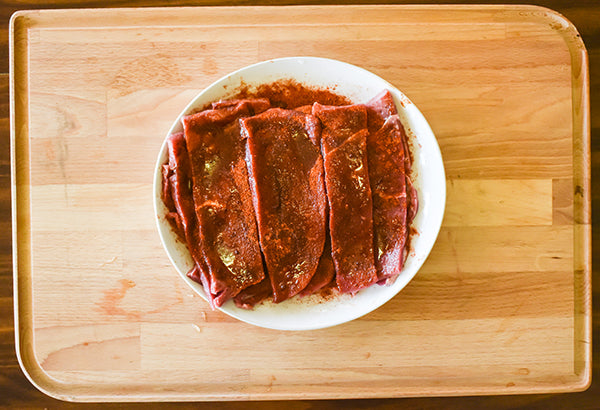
x=70, y=393
x=21, y=223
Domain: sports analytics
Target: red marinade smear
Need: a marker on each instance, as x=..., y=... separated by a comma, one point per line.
x=290, y=94
x=286, y=177
x=344, y=146
x=222, y=197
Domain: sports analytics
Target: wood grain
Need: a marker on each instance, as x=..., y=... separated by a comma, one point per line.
x=489, y=226
x=114, y=212
x=430, y=403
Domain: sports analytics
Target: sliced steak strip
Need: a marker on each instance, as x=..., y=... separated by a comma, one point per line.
x=223, y=203
x=286, y=177
x=394, y=199
x=344, y=147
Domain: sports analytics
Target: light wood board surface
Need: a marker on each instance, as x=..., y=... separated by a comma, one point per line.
x=501, y=306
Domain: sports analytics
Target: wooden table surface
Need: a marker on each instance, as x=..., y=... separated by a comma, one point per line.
x=16, y=391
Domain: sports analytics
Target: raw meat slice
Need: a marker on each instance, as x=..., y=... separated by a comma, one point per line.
x=305, y=109
x=286, y=177
x=223, y=202
x=225, y=104
x=253, y=295
x=166, y=188
x=344, y=148
x=379, y=108
x=339, y=123
x=394, y=198
x=388, y=186
x=413, y=200
x=179, y=183
x=324, y=274
x=175, y=221
x=200, y=276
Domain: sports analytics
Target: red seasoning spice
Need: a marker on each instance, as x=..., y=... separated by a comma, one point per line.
x=291, y=94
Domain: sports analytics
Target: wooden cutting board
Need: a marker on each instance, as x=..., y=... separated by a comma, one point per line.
x=501, y=306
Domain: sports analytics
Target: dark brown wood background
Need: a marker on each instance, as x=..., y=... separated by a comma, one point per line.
x=17, y=392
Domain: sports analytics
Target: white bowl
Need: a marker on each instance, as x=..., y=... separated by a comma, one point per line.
x=428, y=176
